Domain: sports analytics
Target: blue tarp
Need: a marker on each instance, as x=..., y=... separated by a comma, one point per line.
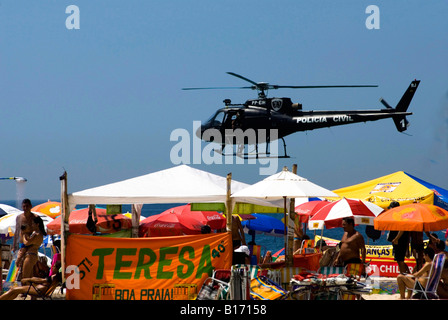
x=264, y=224
x=440, y=194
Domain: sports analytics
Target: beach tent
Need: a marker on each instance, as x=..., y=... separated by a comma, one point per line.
x=399, y=186
x=180, y=184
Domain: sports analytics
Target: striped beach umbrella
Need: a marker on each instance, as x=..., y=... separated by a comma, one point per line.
x=331, y=215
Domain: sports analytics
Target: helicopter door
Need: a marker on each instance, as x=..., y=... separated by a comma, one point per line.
x=232, y=120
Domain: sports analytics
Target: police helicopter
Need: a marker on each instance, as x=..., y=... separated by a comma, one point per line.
x=275, y=118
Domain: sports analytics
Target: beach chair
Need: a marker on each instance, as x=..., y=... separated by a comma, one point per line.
x=45, y=292
x=430, y=292
x=262, y=288
x=307, y=246
x=223, y=276
x=240, y=280
x=331, y=270
x=36, y=291
x=214, y=289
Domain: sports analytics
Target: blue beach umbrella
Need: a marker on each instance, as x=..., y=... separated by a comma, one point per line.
x=264, y=224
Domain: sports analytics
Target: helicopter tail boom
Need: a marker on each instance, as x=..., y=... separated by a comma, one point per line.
x=402, y=106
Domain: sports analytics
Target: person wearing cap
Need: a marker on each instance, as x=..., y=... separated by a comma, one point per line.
x=400, y=244
x=241, y=255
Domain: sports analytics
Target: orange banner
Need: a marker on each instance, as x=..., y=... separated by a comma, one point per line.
x=163, y=268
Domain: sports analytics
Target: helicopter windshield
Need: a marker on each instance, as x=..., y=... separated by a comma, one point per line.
x=217, y=119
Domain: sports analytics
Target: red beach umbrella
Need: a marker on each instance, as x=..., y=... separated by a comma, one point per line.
x=214, y=219
x=107, y=223
x=308, y=209
x=363, y=212
x=169, y=224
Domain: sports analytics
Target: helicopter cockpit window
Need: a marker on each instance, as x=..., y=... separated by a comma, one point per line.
x=218, y=119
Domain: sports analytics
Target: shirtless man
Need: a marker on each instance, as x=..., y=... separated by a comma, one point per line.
x=352, y=245
x=24, y=219
x=32, y=244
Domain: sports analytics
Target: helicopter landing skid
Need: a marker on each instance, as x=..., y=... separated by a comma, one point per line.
x=256, y=154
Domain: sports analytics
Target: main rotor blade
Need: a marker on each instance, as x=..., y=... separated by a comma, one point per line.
x=244, y=78
x=252, y=87
x=313, y=87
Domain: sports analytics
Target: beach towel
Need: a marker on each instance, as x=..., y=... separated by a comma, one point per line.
x=12, y=272
x=354, y=269
x=331, y=270
x=11, y=278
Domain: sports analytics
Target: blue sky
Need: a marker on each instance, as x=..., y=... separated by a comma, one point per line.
x=102, y=101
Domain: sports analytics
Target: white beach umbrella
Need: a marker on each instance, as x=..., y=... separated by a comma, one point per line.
x=281, y=185
x=6, y=209
x=8, y=222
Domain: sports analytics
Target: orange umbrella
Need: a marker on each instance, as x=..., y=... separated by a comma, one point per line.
x=50, y=208
x=107, y=223
x=413, y=217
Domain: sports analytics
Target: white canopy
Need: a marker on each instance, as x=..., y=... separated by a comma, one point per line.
x=180, y=184
x=283, y=184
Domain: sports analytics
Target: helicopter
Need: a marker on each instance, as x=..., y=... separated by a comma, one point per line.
x=264, y=115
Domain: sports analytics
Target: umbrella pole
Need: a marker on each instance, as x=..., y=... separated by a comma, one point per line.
x=136, y=210
x=321, y=238
x=290, y=235
x=229, y=203
x=285, y=231
x=64, y=220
